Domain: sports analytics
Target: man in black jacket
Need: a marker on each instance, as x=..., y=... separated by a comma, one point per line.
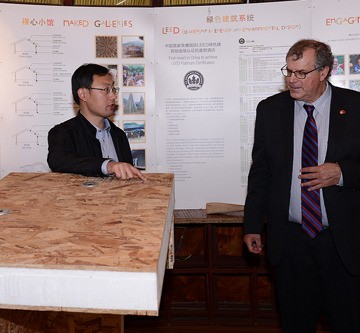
x=317, y=265
x=90, y=144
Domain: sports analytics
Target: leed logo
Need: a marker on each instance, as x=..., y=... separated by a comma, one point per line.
x=193, y=80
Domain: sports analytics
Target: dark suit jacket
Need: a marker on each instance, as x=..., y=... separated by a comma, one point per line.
x=73, y=147
x=270, y=174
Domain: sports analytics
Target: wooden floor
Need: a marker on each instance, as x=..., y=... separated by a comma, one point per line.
x=204, y=329
x=208, y=329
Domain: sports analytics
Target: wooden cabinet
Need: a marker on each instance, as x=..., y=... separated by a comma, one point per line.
x=215, y=281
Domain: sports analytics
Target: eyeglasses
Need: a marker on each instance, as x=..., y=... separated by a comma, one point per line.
x=299, y=74
x=108, y=90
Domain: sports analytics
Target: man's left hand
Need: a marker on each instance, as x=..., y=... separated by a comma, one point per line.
x=324, y=175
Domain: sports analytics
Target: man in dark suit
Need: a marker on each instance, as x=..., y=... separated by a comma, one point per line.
x=317, y=262
x=90, y=144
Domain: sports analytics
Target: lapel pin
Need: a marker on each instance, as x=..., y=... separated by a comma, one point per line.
x=342, y=112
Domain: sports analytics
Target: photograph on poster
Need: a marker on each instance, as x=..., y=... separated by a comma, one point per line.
x=106, y=46
x=338, y=66
x=133, y=103
x=354, y=64
x=133, y=75
x=135, y=131
x=139, y=158
x=113, y=69
x=132, y=46
x=354, y=85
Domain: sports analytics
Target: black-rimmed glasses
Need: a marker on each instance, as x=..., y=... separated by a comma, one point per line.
x=299, y=74
x=108, y=90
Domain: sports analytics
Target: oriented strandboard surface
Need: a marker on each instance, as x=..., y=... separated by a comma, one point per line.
x=66, y=221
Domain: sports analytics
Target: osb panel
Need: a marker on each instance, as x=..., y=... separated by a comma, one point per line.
x=57, y=222
x=58, y=322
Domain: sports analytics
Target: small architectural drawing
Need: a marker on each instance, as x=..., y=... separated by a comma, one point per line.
x=35, y=44
x=35, y=104
x=34, y=73
x=35, y=136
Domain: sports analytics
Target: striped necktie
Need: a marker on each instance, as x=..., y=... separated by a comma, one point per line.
x=310, y=200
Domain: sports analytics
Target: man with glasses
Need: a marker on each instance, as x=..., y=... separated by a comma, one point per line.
x=305, y=182
x=90, y=144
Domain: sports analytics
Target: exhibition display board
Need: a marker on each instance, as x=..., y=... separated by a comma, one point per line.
x=190, y=79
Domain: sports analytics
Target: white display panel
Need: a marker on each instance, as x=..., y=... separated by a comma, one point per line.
x=205, y=69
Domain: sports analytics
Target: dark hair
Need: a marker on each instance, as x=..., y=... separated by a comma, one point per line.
x=323, y=55
x=83, y=78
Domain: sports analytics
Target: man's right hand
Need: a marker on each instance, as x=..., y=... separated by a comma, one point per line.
x=253, y=243
x=122, y=170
